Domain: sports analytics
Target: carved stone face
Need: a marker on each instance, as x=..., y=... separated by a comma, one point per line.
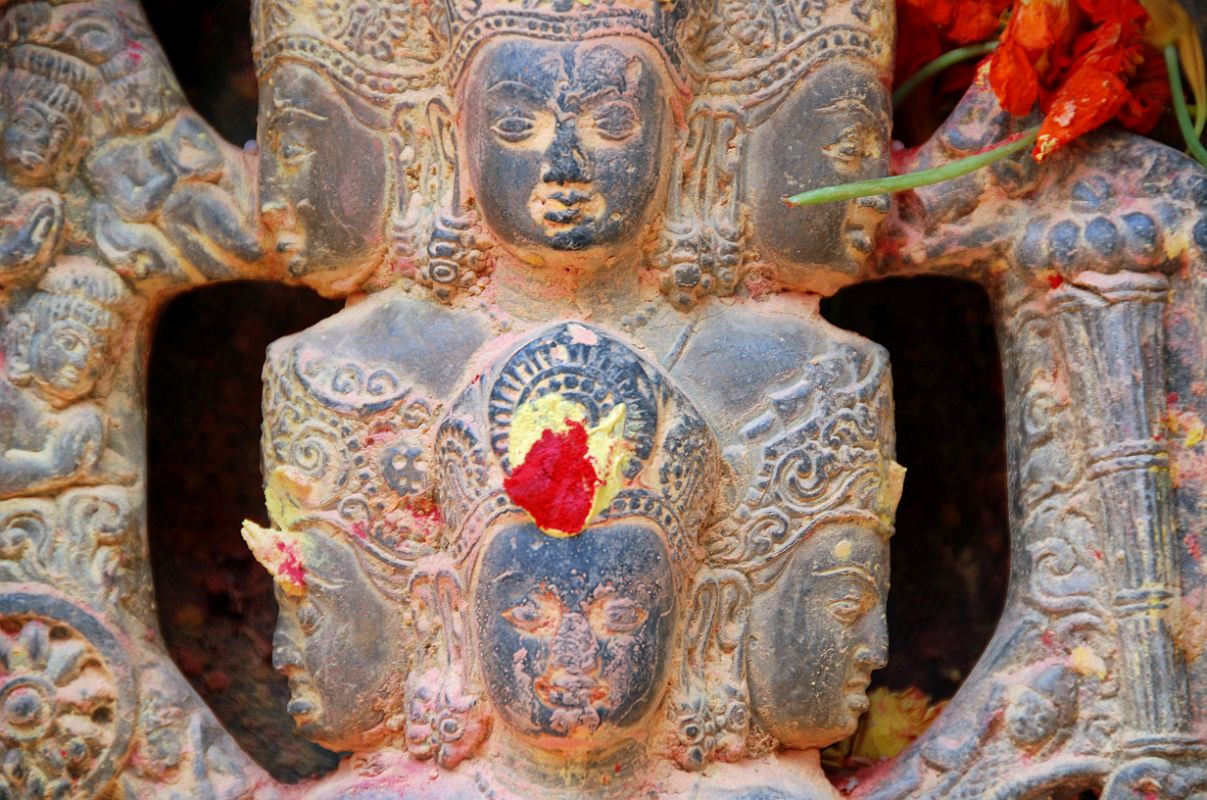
x=574, y=633
x=565, y=142
x=833, y=129
x=35, y=141
x=339, y=646
x=67, y=358
x=322, y=174
x=816, y=636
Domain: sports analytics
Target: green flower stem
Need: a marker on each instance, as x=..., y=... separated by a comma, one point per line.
x=912, y=180
x=941, y=63
x=1179, y=106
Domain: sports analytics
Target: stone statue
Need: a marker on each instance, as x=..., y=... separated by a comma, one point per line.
x=580, y=496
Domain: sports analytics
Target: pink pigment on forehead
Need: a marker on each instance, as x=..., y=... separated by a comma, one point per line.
x=291, y=564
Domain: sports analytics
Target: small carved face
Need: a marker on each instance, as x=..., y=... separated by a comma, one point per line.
x=322, y=175
x=35, y=141
x=65, y=357
x=816, y=636
x=574, y=633
x=834, y=129
x=338, y=645
x=565, y=142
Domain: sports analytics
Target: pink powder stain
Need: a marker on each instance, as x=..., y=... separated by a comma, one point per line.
x=291, y=565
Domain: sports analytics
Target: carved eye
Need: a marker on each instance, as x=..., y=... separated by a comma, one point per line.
x=309, y=617
x=295, y=153
x=616, y=120
x=849, y=607
x=538, y=615
x=616, y=616
x=69, y=341
x=514, y=128
x=29, y=121
x=850, y=147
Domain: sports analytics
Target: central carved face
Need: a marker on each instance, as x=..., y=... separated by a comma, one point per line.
x=565, y=142
x=574, y=633
x=816, y=636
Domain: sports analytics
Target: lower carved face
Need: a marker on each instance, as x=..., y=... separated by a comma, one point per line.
x=574, y=633
x=35, y=140
x=322, y=174
x=339, y=646
x=834, y=129
x=816, y=636
x=565, y=142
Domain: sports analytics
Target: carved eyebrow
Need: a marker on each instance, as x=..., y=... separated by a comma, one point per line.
x=518, y=87
x=850, y=569
x=292, y=110
x=847, y=103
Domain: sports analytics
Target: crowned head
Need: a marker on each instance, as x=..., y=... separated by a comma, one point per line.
x=576, y=528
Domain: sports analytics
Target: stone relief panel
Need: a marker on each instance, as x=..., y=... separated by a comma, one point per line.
x=579, y=495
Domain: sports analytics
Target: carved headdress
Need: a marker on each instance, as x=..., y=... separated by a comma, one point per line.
x=827, y=450
x=757, y=50
x=375, y=49
x=658, y=22
x=507, y=448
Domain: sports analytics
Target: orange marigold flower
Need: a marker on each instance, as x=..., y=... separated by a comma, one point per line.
x=1080, y=61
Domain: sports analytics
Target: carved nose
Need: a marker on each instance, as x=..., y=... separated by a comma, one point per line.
x=567, y=163
x=574, y=648
x=285, y=653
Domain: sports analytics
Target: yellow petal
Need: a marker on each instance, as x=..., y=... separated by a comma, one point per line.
x=1170, y=24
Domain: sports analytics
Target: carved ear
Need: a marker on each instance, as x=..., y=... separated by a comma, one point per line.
x=444, y=130
x=436, y=601
x=17, y=339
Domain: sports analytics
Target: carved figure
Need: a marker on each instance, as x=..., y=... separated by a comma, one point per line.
x=58, y=348
x=581, y=496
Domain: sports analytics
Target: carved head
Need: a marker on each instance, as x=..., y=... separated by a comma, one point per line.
x=337, y=83
x=139, y=94
x=323, y=172
x=60, y=341
x=338, y=640
x=573, y=614
x=566, y=141
x=575, y=633
x=565, y=134
x=812, y=80
x=44, y=94
x=819, y=632
x=813, y=542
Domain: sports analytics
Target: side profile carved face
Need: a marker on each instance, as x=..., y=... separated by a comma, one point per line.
x=565, y=142
x=339, y=646
x=36, y=138
x=322, y=174
x=574, y=633
x=834, y=129
x=816, y=636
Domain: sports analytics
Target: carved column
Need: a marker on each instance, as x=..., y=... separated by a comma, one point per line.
x=1115, y=323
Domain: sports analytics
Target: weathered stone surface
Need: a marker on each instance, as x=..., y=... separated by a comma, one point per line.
x=579, y=495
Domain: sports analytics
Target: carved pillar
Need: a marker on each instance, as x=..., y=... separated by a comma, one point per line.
x=1115, y=322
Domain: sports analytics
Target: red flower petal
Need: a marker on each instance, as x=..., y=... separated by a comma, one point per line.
x=976, y=20
x=1087, y=100
x=1013, y=78
x=556, y=483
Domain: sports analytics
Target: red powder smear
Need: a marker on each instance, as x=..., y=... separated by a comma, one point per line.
x=1194, y=546
x=1055, y=281
x=556, y=483
x=1171, y=399
x=291, y=567
x=424, y=508
x=361, y=530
